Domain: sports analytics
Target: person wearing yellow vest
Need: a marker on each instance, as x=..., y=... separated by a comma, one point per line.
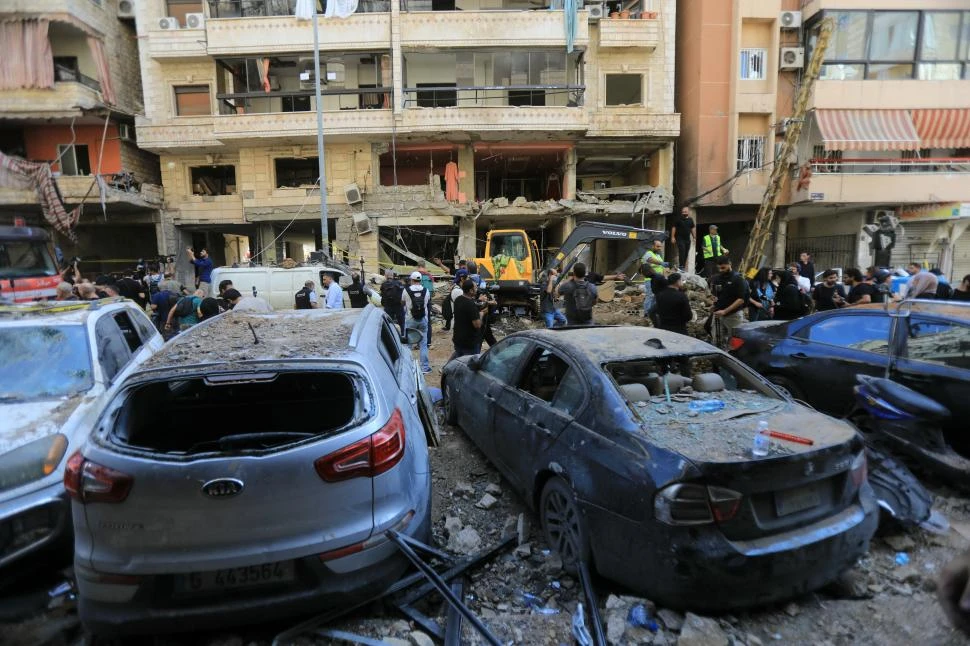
x=712, y=250
x=652, y=265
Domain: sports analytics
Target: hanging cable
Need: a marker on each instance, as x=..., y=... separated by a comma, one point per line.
x=288, y=224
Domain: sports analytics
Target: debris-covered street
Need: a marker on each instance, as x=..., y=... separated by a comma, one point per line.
x=523, y=595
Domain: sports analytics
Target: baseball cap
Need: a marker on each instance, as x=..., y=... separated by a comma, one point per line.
x=415, y=275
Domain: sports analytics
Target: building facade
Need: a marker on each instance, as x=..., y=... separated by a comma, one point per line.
x=885, y=146
x=441, y=120
x=69, y=100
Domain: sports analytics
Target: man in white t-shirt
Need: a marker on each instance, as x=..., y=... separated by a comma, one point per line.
x=804, y=284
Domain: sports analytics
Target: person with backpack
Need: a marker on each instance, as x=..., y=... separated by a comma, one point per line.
x=578, y=295
x=161, y=303
x=427, y=281
x=306, y=298
x=415, y=300
x=358, y=292
x=186, y=310
x=392, y=291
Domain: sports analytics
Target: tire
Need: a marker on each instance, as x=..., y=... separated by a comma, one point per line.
x=451, y=411
x=787, y=386
x=563, y=525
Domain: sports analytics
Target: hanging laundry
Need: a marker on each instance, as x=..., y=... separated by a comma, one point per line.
x=340, y=8
x=264, y=74
x=569, y=14
x=553, y=187
x=38, y=175
x=451, y=181
x=305, y=9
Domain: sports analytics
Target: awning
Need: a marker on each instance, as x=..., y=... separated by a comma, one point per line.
x=867, y=130
x=943, y=128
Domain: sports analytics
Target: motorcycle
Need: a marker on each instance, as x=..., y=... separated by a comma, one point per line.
x=891, y=415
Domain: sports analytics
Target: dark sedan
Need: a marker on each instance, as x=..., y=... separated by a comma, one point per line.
x=634, y=446
x=924, y=345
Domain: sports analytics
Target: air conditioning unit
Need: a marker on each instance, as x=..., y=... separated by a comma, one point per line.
x=195, y=21
x=791, y=58
x=790, y=19
x=363, y=223
x=352, y=193
x=126, y=9
x=596, y=12
x=168, y=23
x=126, y=132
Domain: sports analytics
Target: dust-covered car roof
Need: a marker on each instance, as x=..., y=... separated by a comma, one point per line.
x=54, y=312
x=245, y=336
x=601, y=344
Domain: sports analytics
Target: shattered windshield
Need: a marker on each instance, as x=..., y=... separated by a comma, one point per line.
x=43, y=362
x=25, y=258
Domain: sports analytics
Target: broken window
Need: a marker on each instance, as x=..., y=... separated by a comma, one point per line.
x=291, y=173
x=624, y=89
x=543, y=375
x=213, y=180
x=75, y=159
x=192, y=100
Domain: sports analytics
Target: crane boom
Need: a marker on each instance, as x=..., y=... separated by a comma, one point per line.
x=754, y=253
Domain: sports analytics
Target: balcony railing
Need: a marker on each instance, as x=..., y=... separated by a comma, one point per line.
x=302, y=100
x=258, y=8
x=569, y=96
x=890, y=166
x=67, y=72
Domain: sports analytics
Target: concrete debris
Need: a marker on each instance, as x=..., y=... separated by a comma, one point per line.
x=671, y=619
x=523, y=528
x=453, y=525
x=792, y=609
x=500, y=202
x=520, y=201
x=701, y=631
x=615, y=626
x=466, y=541
x=613, y=602
x=487, y=501
x=753, y=640
x=394, y=641
x=493, y=489
x=553, y=564
x=420, y=639
x=464, y=489
x=900, y=542
x=523, y=551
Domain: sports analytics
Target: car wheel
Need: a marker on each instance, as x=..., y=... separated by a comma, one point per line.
x=451, y=409
x=787, y=386
x=563, y=524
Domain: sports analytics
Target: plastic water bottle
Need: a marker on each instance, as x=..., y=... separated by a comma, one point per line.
x=706, y=405
x=761, y=440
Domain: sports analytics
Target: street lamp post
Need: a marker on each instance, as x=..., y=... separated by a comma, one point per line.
x=307, y=10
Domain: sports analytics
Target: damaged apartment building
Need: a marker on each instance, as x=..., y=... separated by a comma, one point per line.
x=69, y=161
x=441, y=120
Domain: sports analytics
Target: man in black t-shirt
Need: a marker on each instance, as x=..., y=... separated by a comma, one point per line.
x=731, y=293
x=860, y=292
x=467, y=322
x=682, y=235
x=828, y=294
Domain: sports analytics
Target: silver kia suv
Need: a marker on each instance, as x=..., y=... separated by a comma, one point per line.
x=250, y=470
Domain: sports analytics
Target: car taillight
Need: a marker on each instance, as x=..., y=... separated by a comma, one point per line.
x=694, y=504
x=368, y=457
x=735, y=342
x=87, y=481
x=859, y=469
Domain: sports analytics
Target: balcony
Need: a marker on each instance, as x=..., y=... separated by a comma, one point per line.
x=432, y=29
x=619, y=33
x=633, y=121
x=179, y=133
x=177, y=44
x=88, y=13
x=65, y=100
x=76, y=188
x=886, y=181
x=239, y=27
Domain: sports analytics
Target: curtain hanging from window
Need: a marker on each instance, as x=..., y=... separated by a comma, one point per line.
x=27, y=61
x=104, y=75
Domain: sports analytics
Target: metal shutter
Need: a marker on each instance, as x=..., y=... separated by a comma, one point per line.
x=961, y=259
x=914, y=244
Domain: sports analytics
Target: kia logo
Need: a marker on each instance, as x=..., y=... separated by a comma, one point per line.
x=222, y=487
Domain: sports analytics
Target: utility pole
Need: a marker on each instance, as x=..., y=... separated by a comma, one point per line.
x=753, y=257
x=324, y=229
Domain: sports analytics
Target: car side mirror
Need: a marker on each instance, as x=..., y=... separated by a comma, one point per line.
x=475, y=363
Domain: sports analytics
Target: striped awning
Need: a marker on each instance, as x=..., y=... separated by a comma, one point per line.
x=867, y=130
x=943, y=128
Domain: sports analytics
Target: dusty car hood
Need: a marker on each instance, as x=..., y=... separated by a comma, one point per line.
x=22, y=423
x=727, y=435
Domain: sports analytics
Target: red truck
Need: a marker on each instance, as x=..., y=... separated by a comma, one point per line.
x=28, y=271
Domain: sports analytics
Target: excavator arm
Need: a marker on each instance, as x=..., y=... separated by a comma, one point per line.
x=588, y=232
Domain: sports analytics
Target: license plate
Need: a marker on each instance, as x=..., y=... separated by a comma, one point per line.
x=798, y=499
x=235, y=578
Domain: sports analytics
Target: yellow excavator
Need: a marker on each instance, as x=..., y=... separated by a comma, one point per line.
x=754, y=254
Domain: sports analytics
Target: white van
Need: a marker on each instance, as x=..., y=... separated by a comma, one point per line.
x=276, y=285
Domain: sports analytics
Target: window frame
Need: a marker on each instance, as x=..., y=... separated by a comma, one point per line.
x=516, y=369
x=111, y=340
x=184, y=89
x=754, y=54
x=314, y=162
x=606, y=86
x=203, y=166
x=63, y=150
x=747, y=165
x=804, y=333
x=916, y=61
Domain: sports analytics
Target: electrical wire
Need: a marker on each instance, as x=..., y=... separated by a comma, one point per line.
x=288, y=224
x=693, y=201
